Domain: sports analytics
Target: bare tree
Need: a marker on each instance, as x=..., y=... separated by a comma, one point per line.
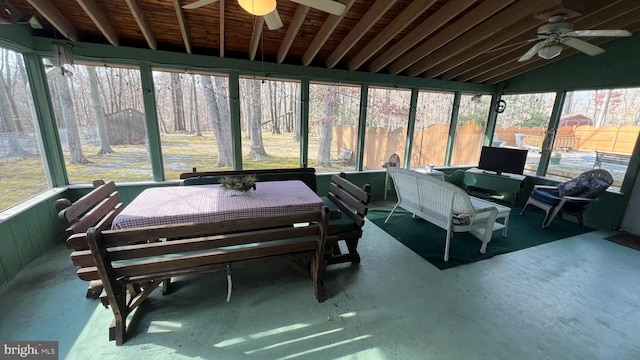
x=255, y=121
x=195, y=115
x=326, y=126
x=66, y=107
x=220, y=125
x=178, y=104
x=105, y=147
x=9, y=125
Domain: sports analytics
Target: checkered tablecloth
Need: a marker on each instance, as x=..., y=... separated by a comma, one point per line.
x=204, y=203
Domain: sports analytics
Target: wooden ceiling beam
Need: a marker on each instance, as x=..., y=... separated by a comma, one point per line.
x=100, y=20
x=292, y=31
x=325, y=31
x=222, y=10
x=142, y=23
x=183, y=26
x=258, y=26
x=408, y=15
x=494, y=26
x=55, y=17
x=474, y=17
x=430, y=25
x=372, y=16
x=454, y=66
x=450, y=68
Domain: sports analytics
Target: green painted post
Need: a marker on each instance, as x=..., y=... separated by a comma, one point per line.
x=304, y=122
x=452, y=127
x=411, y=127
x=362, y=125
x=46, y=122
x=234, y=109
x=151, y=117
x=545, y=154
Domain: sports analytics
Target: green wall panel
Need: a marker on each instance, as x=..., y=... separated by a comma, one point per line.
x=23, y=239
x=9, y=255
x=3, y=276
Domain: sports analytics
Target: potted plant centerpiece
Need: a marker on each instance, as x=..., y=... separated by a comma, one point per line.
x=238, y=185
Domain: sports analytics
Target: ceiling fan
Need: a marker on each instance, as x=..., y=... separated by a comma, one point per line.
x=558, y=32
x=267, y=8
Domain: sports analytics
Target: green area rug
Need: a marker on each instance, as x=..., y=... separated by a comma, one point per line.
x=427, y=240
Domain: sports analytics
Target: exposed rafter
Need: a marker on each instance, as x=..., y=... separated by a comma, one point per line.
x=55, y=17
x=483, y=32
x=398, y=24
x=366, y=22
x=142, y=23
x=183, y=26
x=98, y=18
x=258, y=26
x=428, y=27
x=462, y=25
x=292, y=31
x=325, y=31
x=222, y=7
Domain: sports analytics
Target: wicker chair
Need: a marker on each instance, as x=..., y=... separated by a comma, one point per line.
x=571, y=197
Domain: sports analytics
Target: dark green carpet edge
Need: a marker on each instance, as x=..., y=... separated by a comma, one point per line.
x=428, y=240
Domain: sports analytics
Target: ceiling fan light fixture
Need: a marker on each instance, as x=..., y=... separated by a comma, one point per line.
x=258, y=7
x=550, y=51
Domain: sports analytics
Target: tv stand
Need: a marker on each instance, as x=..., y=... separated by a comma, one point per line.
x=497, y=183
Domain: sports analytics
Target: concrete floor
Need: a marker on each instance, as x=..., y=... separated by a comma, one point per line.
x=577, y=298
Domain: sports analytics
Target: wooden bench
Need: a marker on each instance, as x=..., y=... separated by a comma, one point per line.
x=101, y=204
x=352, y=204
x=611, y=158
x=306, y=175
x=125, y=258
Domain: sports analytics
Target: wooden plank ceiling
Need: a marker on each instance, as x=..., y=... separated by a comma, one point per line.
x=461, y=40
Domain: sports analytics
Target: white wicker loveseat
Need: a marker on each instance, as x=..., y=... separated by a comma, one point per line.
x=445, y=205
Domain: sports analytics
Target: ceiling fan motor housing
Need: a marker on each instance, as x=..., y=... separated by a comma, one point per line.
x=555, y=28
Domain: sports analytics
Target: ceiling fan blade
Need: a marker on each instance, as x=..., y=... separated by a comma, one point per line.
x=197, y=4
x=330, y=6
x=531, y=52
x=613, y=33
x=273, y=20
x=582, y=45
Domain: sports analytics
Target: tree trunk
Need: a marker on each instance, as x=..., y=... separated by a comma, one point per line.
x=178, y=103
x=8, y=121
x=9, y=85
x=255, y=122
x=326, y=127
x=66, y=105
x=273, y=94
x=105, y=148
x=225, y=147
x=602, y=116
x=195, y=120
x=223, y=137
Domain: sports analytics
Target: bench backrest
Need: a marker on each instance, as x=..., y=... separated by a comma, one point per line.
x=306, y=175
x=103, y=203
x=137, y=253
x=352, y=200
x=426, y=194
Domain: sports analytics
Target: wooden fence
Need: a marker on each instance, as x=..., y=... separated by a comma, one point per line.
x=429, y=145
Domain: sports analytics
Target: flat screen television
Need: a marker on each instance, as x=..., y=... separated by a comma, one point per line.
x=502, y=160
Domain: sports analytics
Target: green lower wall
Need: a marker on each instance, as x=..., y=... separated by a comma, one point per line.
x=27, y=235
